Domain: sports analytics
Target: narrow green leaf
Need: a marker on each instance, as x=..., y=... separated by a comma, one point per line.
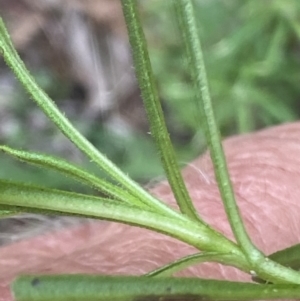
x=24, y=197
x=186, y=18
x=74, y=172
x=153, y=108
x=185, y=262
x=58, y=118
x=105, y=288
x=263, y=266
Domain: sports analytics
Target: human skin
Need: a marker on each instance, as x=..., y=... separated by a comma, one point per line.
x=265, y=171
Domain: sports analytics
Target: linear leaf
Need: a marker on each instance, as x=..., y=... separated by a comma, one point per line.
x=74, y=172
x=27, y=197
x=263, y=266
x=153, y=108
x=130, y=288
x=187, y=22
x=185, y=262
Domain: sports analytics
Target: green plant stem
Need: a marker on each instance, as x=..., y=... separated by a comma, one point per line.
x=187, y=22
x=50, y=109
x=289, y=257
x=104, y=288
x=153, y=108
x=260, y=264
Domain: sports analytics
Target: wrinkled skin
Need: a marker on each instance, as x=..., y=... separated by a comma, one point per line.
x=265, y=170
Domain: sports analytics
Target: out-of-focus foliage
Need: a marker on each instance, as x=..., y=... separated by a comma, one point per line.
x=252, y=52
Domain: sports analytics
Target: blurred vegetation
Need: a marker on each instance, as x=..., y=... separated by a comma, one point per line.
x=252, y=52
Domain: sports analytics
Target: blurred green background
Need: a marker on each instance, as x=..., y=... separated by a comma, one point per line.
x=252, y=53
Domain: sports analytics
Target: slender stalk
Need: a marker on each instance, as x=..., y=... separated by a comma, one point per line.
x=185, y=14
x=153, y=108
x=289, y=257
x=51, y=110
x=261, y=265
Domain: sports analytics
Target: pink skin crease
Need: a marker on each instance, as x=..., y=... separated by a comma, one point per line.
x=265, y=170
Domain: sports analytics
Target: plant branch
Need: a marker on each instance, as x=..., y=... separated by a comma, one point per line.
x=187, y=22
x=153, y=108
x=260, y=264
